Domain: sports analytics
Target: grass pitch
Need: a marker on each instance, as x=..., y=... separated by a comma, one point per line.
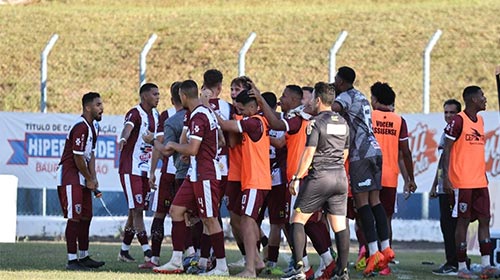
x=46, y=260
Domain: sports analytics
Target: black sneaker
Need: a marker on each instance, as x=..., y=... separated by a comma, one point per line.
x=76, y=266
x=445, y=270
x=90, y=263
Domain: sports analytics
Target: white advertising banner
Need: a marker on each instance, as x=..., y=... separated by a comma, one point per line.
x=31, y=145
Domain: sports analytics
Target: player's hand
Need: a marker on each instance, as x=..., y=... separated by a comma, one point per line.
x=152, y=181
x=255, y=92
x=433, y=193
x=184, y=158
x=148, y=137
x=293, y=187
x=412, y=186
x=91, y=184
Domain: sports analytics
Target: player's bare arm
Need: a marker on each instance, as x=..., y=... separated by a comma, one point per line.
x=81, y=164
x=278, y=142
x=274, y=122
x=92, y=169
x=408, y=164
x=154, y=163
x=336, y=107
x=448, y=144
x=127, y=129
x=305, y=161
x=189, y=149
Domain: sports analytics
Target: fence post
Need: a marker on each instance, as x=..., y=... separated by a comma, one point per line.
x=43, y=72
x=243, y=52
x=142, y=59
x=427, y=71
x=333, y=53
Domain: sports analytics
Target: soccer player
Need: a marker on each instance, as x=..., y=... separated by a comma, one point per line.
x=447, y=222
x=325, y=186
x=295, y=123
x=365, y=168
x=464, y=168
x=167, y=188
x=255, y=175
x=200, y=191
x=76, y=176
x=134, y=167
x=392, y=135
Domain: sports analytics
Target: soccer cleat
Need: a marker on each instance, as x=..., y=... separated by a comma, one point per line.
x=215, y=272
x=196, y=269
x=295, y=274
x=189, y=261
x=361, y=261
x=373, y=263
x=124, y=256
x=343, y=276
x=169, y=268
x=488, y=272
x=240, y=263
x=445, y=270
x=389, y=254
x=76, y=266
x=90, y=263
x=148, y=265
x=385, y=271
x=466, y=274
x=328, y=271
x=309, y=273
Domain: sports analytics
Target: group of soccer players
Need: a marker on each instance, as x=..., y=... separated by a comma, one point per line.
x=320, y=156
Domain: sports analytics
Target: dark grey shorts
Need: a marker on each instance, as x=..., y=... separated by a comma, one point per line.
x=366, y=174
x=325, y=190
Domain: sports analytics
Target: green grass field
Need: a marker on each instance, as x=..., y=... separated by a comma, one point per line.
x=46, y=260
x=100, y=42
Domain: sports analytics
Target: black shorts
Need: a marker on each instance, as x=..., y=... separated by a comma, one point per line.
x=325, y=190
x=366, y=174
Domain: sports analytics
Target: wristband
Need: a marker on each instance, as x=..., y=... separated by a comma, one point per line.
x=295, y=178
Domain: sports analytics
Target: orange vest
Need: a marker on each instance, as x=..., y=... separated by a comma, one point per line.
x=387, y=128
x=467, y=168
x=295, y=145
x=255, y=165
x=234, y=172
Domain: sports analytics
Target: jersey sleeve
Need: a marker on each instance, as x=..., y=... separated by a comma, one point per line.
x=313, y=132
x=344, y=100
x=133, y=118
x=161, y=122
x=293, y=124
x=252, y=126
x=454, y=128
x=78, y=139
x=198, y=126
x=403, y=133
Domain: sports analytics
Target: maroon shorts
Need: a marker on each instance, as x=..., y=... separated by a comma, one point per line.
x=76, y=201
x=388, y=199
x=352, y=213
x=233, y=193
x=165, y=193
x=473, y=203
x=279, y=204
x=202, y=197
x=252, y=201
x=135, y=189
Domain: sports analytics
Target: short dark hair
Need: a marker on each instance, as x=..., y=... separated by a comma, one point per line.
x=147, y=87
x=296, y=90
x=325, y=92
x=469, y=92
x=211, y=78
x=174, y=91
x=454, y=102
x=190, y=89
x=308, y=88
x=89, y=98
x=270, y=99
x=384, y=93
x=244, y=98
x=347, y=74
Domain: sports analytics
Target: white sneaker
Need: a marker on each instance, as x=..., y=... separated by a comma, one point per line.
x=216, y=272
x=319, y=271
x=169, y=268
x=240, y=263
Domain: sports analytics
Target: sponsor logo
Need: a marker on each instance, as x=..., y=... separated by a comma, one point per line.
x=365, y=183
x=474, y=137
x=462, y=206
x=423, y=147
